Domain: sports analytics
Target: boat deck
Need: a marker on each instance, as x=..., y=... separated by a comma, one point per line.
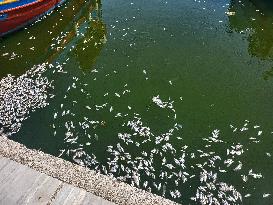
x=22, y=185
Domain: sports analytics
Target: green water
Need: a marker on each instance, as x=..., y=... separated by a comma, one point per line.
x=174, y=97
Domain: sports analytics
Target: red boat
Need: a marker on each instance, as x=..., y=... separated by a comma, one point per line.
x=15, y=14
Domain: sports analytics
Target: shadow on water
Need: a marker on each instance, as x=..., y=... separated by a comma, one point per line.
x=255, y=17
x=76, y=43
x=47, y=38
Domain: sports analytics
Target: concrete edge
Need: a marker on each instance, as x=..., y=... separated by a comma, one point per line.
x=78, y=176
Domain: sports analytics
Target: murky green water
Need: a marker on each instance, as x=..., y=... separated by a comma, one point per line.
x=174, y=97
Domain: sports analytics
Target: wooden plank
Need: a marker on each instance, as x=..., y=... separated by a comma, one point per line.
x=91, y=199
x=42, y=191
x=76, y=196
x=22, y=185
x=69, y=195
x=14, y=183
x=3, y=162
x=6, y=172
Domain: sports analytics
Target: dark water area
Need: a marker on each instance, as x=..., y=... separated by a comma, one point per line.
x=174, y=97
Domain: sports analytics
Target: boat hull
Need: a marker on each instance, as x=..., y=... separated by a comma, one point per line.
x=15, y=18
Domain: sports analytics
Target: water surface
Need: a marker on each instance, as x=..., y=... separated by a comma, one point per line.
x=174, y=97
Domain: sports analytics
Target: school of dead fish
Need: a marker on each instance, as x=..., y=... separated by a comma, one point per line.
x=140, y=167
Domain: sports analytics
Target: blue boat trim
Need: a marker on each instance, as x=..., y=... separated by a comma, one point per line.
x=15, y=4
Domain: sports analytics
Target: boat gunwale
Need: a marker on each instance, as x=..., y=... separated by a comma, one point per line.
x=20, y=7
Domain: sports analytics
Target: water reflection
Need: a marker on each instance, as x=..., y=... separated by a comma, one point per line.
x=85, y=41
x=254, y=17
x=44, y=40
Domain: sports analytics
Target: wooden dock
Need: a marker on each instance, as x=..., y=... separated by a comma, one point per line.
x=21, y=185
